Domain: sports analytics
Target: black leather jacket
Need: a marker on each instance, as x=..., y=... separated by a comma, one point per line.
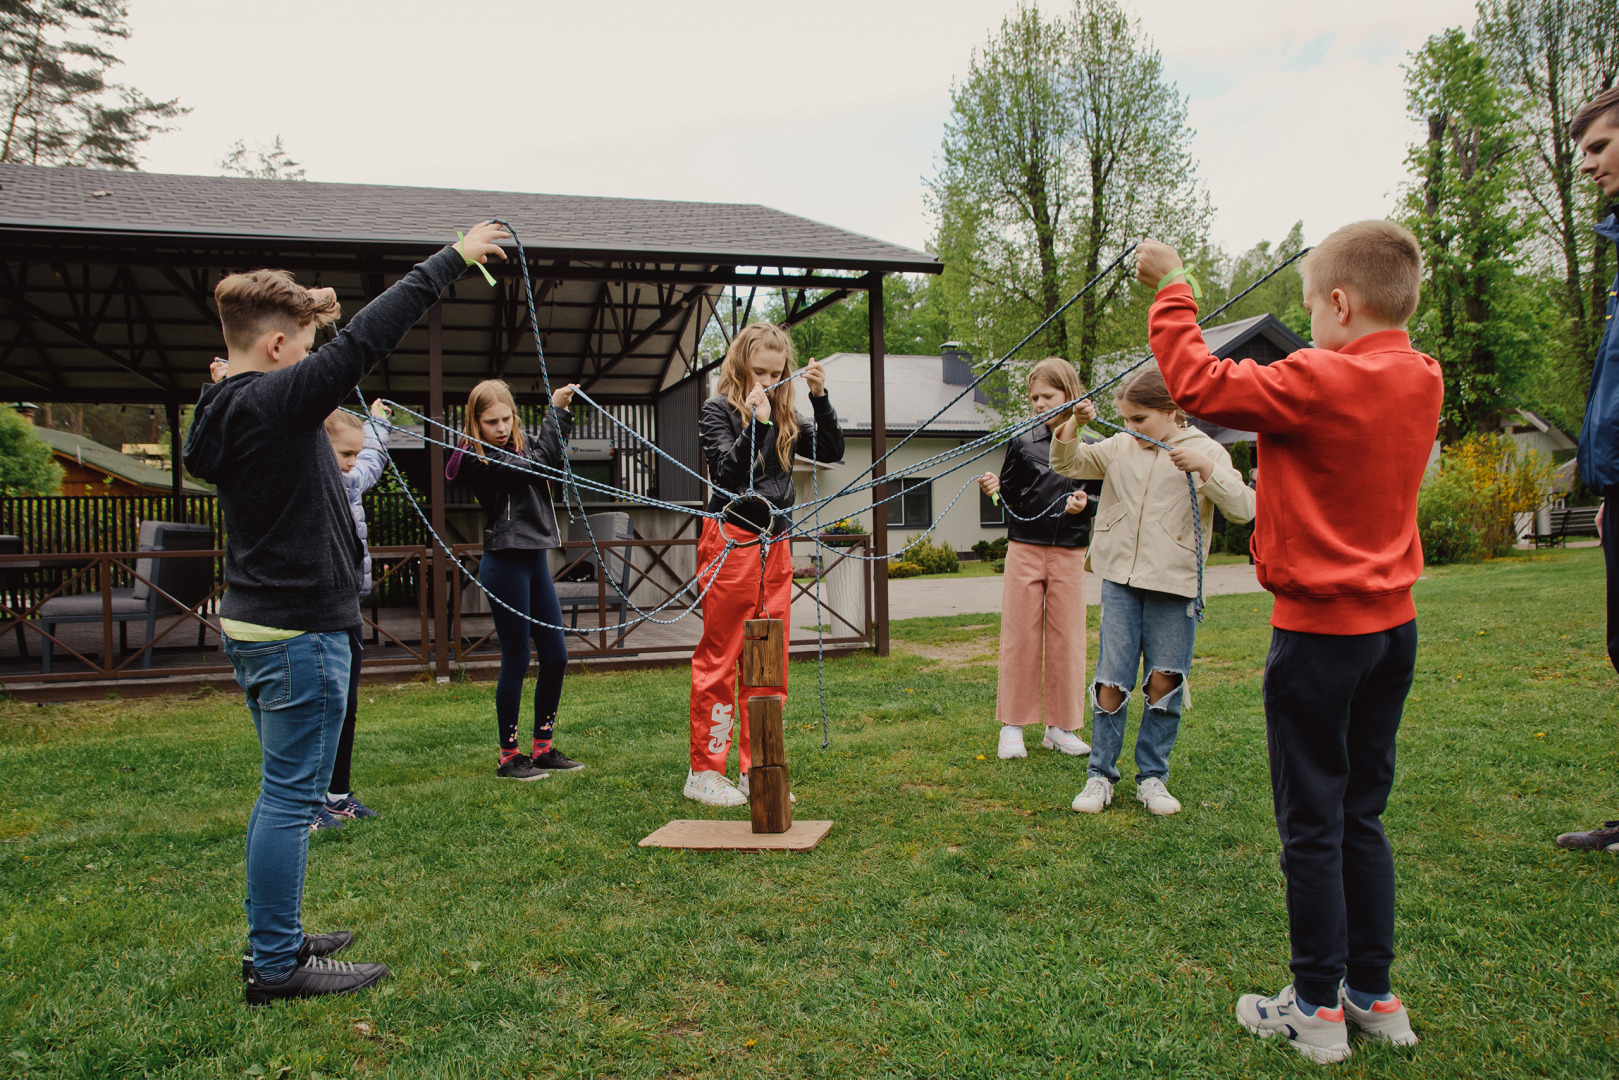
x=727, y=443
x=1030, y=487
x=516, y=502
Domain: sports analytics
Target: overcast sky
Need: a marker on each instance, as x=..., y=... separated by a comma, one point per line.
x=833, y=110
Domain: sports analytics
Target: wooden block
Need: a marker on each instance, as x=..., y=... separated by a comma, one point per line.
x=767, y=742
x=763, y=652
x=736, y=836
x=770, y=802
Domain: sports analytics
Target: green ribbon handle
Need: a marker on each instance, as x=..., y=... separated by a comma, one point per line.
x=1176, y=274
x=461, y=242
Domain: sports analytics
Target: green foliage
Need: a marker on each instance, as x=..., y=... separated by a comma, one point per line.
x=934, y=557
x=902, y=569
x=1477, y=315
x=1065, y=142
x=270, y=162
x=27, y=466
x=1467, y=507
x=914, y=322
x=56, y=104
x=1552, y=56
x=999, y=566
x=991, y=549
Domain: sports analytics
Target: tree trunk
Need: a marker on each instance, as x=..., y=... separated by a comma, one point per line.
x=1045, y=232
x=1093, y=263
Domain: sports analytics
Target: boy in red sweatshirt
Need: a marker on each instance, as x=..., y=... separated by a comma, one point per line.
x=1345, y=432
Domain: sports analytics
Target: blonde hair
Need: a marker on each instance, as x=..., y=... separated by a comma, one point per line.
x=489, y=393
x=260, y=301
x=1058, y=374
x=1148, y=391
x=736, y=379
x=1378, y=261
x=341, y=420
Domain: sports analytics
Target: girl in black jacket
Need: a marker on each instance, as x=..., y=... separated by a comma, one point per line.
x=1043, y=597
x=514, y=567
x=750, y=435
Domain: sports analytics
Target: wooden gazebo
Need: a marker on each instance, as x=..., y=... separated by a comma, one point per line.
x=106, y=282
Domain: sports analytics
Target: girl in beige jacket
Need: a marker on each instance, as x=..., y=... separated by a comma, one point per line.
x=1144, y=549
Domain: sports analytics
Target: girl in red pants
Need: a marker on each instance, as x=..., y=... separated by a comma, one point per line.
x=750, y=435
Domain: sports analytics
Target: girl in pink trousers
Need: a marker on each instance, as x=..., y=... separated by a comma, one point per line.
x=1043, y=595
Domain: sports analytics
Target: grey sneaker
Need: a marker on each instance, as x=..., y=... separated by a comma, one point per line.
x=1386, y=1020
x=1603, y=839
x=1323, y=1037
x=313, y=977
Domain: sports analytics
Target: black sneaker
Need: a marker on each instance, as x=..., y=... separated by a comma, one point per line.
x=520, y=767
x=556, y=761
x=350, y=808
x=313, y=977
x=314, y=945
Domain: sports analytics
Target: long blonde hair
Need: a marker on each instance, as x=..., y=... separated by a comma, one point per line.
x=736, y=379
x=488, y=393
x=1060, y=375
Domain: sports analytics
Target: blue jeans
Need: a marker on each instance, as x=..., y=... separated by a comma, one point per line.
x=297, y=691
x=1140, y=628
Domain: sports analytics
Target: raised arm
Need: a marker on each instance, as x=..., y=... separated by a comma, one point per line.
x=727, y=449
x=373, y=459
x=820, y=439
x=1082, y=460
x=1240, y=394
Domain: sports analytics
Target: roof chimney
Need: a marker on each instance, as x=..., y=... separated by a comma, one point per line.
x=958, y=369
x=26, y=408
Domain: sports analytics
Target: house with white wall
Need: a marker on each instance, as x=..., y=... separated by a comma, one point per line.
x=916, y=388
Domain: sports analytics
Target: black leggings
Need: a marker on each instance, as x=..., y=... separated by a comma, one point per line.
x=345, y=742
x=523, y=580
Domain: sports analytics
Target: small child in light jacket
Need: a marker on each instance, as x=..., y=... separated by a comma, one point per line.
x=361, y=448
x=1144, y=548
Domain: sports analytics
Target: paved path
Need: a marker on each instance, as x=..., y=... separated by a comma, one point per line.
x=910, y=598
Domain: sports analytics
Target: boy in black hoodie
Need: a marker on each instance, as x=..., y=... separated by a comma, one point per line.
x=291, y=611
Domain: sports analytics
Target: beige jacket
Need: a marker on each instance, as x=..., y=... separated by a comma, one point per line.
x=1143, y=533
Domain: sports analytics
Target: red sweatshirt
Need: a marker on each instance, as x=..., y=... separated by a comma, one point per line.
x=1344, y=438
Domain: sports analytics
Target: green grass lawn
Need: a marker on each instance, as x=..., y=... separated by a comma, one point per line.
x=959, y=921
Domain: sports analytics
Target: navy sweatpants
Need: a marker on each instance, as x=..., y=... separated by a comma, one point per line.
x=1332, y=711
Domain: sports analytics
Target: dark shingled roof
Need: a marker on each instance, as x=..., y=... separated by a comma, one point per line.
x=584, y=226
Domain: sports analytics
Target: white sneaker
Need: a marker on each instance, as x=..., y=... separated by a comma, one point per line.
x=1066, y=741
x=1152, y=794
x=742, y=786
x=711, y=788
x=1386, y=1020
x=1011, y=742
x=1098, y=792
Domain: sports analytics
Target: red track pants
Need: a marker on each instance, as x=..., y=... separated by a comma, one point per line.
x=718, y=705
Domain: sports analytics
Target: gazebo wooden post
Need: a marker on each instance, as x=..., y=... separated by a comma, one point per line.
x=879, y=446
x=171, y=408
x=435, y=491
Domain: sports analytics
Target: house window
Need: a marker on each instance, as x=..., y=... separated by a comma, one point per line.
x=913, y=509
x=991, y=514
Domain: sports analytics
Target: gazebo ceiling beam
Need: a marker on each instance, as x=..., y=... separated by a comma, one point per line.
x=675, y=310
x=8, y=293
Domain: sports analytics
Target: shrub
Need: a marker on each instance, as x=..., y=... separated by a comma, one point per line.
x=903, y=570
x=1466, y=507
x=991, y=549
x=999, y=566
x=933, y=558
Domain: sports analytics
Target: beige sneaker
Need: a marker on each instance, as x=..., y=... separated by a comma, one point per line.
x=1097, y=793
x=1152, y=794
x=711, y=788
x=1011, y=742
x=1066, y=741
x=1320, y=1036
x=1386, y=1020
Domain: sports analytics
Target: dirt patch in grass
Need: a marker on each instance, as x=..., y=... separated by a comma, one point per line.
x=978, y=650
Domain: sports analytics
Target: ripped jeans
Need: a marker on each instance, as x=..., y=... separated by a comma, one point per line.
x=1140, y=628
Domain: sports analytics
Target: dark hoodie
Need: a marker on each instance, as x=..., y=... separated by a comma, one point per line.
x=292, y=558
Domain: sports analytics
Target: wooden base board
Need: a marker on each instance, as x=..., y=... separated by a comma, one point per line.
x=737, y=836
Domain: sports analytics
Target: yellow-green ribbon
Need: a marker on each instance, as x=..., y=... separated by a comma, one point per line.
x=1181, y=272
x=461, y=242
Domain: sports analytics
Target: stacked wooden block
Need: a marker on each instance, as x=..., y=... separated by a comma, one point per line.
x=769, y=795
